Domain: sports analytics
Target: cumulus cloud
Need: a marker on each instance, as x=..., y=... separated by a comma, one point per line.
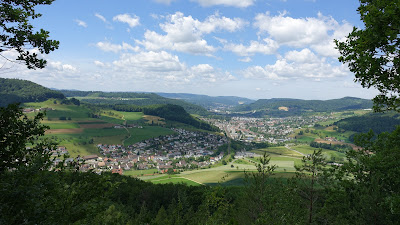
x=109, y=47
x=185, y=34
x=317, y=33
x=81, y=23
x=297, y=64
x=165, y=67
x=267, y=47
x=208, y=73
x=234, y=3
x=132, y=21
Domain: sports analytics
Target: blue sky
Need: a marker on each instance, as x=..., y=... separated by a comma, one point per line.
x=249, y=48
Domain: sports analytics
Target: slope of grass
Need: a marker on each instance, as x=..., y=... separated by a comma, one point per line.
x=147, y=132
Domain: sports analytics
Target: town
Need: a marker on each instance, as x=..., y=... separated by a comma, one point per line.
x=182, y=150
x=272, y=130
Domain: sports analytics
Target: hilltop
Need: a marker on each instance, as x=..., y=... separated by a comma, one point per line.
x=15, y=90
x=291, y=107
x=131, y=98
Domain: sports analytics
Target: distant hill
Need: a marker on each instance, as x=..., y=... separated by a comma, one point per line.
x=209, y=102
x=132, y=98
x=377, y=122
x=288, y=107
x=15, y=90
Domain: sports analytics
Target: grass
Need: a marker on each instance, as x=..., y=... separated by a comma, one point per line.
x=175, y=180
x=139, y=172
x=147, y=132
x=329, y=154
x=131, y=116
x=113, y=120
x=281, y=150
x=62, y=125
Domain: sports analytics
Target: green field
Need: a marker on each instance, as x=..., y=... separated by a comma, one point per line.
x=147, y=132
x=329, y=154
x=140, y=172
x=131, y=116
x=62, y=125
x=281, y=150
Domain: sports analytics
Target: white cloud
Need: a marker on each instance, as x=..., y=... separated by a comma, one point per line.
x=109, y=47
x=98, y=63
x=57, y=66
x=165, y=67
x=246, y=59
x=102, y=18
x=297, y=64
x=185, y=34
x=314, y=32
x=126, y=18
x=267, y=47
x=207, y=73
x=167, y=2
x=234, y=3
x=81, y=23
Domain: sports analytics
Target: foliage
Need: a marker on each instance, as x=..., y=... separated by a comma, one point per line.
x=372, y=53
x=16, y=132
x=177, y=113
x=368, y=184
x=308, y=176
x=131, y=101
x=19, y=91
x=297, y=106
x=18, y=34
x=377, y=122
x=335, y=147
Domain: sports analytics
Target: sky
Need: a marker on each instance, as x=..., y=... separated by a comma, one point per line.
x=258, y=49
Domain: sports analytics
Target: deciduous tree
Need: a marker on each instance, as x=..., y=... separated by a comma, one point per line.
x=16, y=32
x=373, y=52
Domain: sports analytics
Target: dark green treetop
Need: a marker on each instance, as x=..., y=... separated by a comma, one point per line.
x=372, y=53
x=16, y=33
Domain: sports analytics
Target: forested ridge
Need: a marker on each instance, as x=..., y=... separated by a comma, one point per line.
x=132, y=98
x=296, y=106
x=377, y=122
x=16, y=90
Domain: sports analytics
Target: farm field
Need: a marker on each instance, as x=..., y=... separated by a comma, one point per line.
x=147, y=132
x=329, y=154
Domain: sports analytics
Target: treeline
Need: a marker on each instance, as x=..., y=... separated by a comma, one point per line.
x=133, y=98
x=377, y=122
x=15, y=90
x=238, y=146
x=169, y=112
x=178, y=114
x=297, y=105
x=339, y=148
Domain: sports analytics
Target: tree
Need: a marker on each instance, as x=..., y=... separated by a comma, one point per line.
x=373, y=53
x=17, y=131
x=18, y=34
x=308, y=176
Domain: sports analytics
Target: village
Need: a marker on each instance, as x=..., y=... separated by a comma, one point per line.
x=180, y=151
x=272, y=130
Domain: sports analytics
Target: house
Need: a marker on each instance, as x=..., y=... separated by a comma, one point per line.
x=119, y=171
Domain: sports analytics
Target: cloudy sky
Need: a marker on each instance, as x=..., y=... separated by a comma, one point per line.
x=248, y=48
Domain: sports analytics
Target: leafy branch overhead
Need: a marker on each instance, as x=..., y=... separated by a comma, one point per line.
x=372, y=53
x=18, y=34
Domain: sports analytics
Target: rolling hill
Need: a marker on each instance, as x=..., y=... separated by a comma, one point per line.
x=15, y=90
x=132, y=98
x=291, y=107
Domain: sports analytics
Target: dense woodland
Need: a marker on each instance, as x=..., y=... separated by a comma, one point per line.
x=132, y=98
x=314, y=196
x=377, y=122
x=15, y=90
x=297, y=106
